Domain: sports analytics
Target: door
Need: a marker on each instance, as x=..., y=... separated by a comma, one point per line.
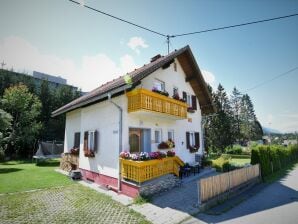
x=139, y=140
x=135, y=140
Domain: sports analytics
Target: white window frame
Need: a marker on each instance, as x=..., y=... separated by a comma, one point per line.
x=177, y=90
x=189, y=99
x=91, y=136
x=159, y=85
x=172, y=133
x=157, y=141
x=192, y=140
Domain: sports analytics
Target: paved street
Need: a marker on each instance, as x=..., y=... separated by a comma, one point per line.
x=277, y=203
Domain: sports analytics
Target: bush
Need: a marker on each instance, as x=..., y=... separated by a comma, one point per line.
x=273, y=158
x=221, y=164
x=235, y=149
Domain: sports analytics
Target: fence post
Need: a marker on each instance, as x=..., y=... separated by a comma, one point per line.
x=199, y=192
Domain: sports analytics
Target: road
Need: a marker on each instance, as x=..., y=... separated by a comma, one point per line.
x=275, y=204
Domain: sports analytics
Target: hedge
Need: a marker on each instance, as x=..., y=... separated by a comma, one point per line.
x=274, y=157
x=237, y=156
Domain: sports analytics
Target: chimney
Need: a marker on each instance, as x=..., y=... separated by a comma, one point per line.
x=155, y=58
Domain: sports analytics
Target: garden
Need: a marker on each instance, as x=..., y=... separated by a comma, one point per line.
x=38, y=194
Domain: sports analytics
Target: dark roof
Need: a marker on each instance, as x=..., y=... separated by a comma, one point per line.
x=188, y=63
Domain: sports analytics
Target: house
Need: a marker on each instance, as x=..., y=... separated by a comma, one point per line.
x=163, y=100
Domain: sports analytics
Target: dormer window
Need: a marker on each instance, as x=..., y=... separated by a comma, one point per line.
x=159, y=85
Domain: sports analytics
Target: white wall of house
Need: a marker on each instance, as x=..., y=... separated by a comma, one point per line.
x=104, y=117
x=72, y=125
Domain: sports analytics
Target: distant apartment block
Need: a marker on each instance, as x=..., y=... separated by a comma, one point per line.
x=50, y=78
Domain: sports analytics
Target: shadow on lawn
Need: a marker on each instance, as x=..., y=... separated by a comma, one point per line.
x=48, y=163
x=9, y=170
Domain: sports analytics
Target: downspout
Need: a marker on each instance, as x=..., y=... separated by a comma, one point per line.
x=120, y=139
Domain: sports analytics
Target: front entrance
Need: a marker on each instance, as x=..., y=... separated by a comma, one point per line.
x=139, y=140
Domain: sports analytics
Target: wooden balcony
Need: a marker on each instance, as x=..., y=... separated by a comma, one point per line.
x=140, y=171
x=146, y=100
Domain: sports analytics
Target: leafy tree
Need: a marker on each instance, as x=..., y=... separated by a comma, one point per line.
x=25, y=109
x=5, y=125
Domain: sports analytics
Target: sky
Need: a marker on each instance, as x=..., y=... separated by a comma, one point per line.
x=88, y=49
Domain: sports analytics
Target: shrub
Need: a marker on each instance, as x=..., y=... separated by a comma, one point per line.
x=273, y=158
x=221, y=164
x=235, y=149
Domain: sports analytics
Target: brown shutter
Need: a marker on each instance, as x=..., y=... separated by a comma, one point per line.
x=194, y=102
x=77, y=137
x=85, y=140
x=184, y=96
x=197, y=139
x=95, y=140
x=187, y=140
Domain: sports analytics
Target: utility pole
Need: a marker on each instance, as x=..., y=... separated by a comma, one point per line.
x=2, y=64
x=168, y=43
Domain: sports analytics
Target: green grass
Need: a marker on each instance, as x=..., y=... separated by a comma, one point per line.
x=17, y=176
x=241, y=161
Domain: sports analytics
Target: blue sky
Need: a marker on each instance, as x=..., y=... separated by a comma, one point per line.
x=60, y=38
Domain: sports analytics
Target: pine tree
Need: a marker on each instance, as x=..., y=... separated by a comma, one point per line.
x=235, y=101
x=219, y=127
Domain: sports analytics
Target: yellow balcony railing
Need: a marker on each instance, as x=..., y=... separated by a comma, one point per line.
x=140, y=171
x=143, y=99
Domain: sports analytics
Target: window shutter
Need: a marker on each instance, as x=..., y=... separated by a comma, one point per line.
x=194, y=102
x=187, y=140
x=85, y=140
x=197, y=139
x=77, y=137
x=95, y=140
x=184, y=96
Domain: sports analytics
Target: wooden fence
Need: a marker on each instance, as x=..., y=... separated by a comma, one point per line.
x=211, y=187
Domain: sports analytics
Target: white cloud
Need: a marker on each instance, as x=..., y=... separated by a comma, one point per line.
x=135, y=43
x=209, y=77
x=93, y=70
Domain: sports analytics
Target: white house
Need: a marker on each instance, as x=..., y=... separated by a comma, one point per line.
x=132, y=113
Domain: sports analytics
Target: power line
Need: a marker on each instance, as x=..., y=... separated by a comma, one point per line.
x=118, y=18
x=272, y=79
x=233, y=26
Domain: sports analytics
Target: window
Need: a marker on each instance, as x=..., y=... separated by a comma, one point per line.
x=157, y=135
x=171, y=135
x=191, y=100
x=175, y=91
x=159, y=85
x=90, y=141
x=77, y=137
x=192, y=140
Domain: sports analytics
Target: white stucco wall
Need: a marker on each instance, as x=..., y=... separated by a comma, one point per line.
x=104, y=117
x=72, y=125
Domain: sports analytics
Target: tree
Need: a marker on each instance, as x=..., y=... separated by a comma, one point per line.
x=219, y=128
x=45, y=97
x=25, y=109
x=235, y=100
x=5, y=125
x=248, y=118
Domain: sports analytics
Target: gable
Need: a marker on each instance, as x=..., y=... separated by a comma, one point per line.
x=118, y=86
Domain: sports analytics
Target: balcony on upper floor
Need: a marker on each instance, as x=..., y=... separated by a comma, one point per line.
x=143, y=100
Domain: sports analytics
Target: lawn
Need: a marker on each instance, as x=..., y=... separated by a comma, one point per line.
x=54, y=198
x=16, y=176
x=240, y=161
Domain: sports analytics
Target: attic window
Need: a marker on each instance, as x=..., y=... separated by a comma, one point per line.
x=159, y=85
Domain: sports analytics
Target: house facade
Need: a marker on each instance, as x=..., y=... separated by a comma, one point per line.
x=161, y=102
